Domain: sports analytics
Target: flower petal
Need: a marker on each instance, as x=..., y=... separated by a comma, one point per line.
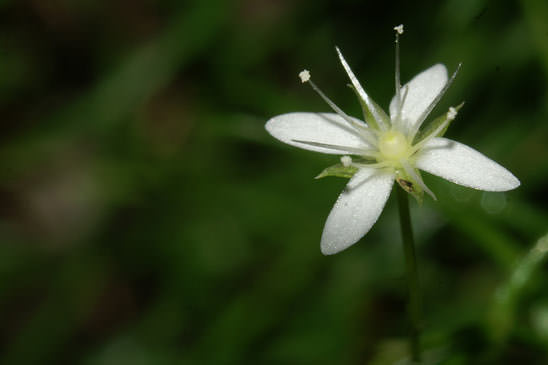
x=463, y=165
x=327, y=128
x=356, y=210
x=421, y=91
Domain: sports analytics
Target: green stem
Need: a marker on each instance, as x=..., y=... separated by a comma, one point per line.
x=412, y=274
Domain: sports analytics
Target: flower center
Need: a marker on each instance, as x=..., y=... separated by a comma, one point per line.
x=393, y=145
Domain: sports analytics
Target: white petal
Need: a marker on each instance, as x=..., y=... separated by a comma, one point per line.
x=327, y=128
x=422, y=90
x=356, y=210
x=463, y=165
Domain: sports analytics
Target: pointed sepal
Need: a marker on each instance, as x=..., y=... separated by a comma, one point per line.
x=368, y=114
x=338, y=170
x=429, y=131
x=411, y=187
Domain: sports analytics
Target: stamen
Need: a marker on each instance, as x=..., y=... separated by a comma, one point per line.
x=346, y=161
x=411, y=172
x=304, y=75
x=433, y=104
x=333, y=106
x=361, y=91
x=352, y=150
x=398, y=121
x=364, y=132
x=399, y=30
x=451, y=114
x=405, y=92
x=376, y=165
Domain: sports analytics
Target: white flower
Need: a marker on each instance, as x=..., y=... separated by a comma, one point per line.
x=386, y=148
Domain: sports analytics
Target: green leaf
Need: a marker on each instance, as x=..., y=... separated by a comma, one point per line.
x=502, y=316
x=338, y=170
x=433, y=125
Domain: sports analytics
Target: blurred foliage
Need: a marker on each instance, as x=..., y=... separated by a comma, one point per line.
x=148, y=218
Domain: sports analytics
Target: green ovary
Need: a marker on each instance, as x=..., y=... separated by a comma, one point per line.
x=393, y=146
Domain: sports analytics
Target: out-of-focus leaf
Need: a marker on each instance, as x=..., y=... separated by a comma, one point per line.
x=502, y=316
x=144, y=72
x=535, y=13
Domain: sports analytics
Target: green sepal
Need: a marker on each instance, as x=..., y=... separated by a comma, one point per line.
x=338, y=170
x=433, y=125
x=410, y=185
x=368, y=114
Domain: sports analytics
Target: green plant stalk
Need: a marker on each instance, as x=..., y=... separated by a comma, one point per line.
x=414, y=304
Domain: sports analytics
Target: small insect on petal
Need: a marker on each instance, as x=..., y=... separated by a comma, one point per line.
x=406, y=185
x=304, y=75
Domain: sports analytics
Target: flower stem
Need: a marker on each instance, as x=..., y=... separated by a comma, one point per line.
x=413, y=307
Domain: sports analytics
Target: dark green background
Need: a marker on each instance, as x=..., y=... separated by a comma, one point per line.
x=146, y=217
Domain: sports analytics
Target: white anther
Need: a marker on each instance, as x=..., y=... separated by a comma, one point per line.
x=346, y=161
x=304, y=75
x=399, y=28
x=452, y=113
